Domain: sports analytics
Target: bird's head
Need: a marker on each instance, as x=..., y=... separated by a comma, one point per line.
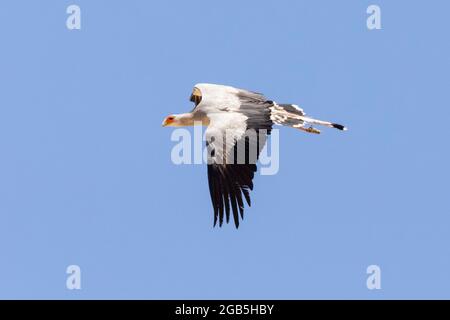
x=179, y=120
x=170, y=121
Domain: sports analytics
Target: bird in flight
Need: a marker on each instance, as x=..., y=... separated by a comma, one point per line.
x=238, y=122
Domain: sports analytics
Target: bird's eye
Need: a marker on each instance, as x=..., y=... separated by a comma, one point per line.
x=196, y=96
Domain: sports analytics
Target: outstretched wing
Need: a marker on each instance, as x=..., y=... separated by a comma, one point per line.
x=235, y=138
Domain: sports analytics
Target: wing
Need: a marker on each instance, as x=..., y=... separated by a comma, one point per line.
x=235, y=138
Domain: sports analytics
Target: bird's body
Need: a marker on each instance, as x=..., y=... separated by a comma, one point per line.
x=238, y=122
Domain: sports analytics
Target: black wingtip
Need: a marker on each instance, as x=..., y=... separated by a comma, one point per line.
x=339, y=126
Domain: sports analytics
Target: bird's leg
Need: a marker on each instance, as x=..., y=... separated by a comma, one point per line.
x=309, y=130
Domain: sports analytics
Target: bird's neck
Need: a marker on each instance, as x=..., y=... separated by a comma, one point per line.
x=190, y=119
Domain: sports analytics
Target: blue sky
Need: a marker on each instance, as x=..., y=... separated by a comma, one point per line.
x=86, y=176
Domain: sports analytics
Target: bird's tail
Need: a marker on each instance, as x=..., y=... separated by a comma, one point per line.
x=293, y=116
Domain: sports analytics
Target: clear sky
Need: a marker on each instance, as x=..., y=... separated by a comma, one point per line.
x=85, y=171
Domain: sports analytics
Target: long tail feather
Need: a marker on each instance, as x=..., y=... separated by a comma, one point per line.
x=292, y=116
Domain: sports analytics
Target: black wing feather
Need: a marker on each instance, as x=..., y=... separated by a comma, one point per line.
x=232, y=180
